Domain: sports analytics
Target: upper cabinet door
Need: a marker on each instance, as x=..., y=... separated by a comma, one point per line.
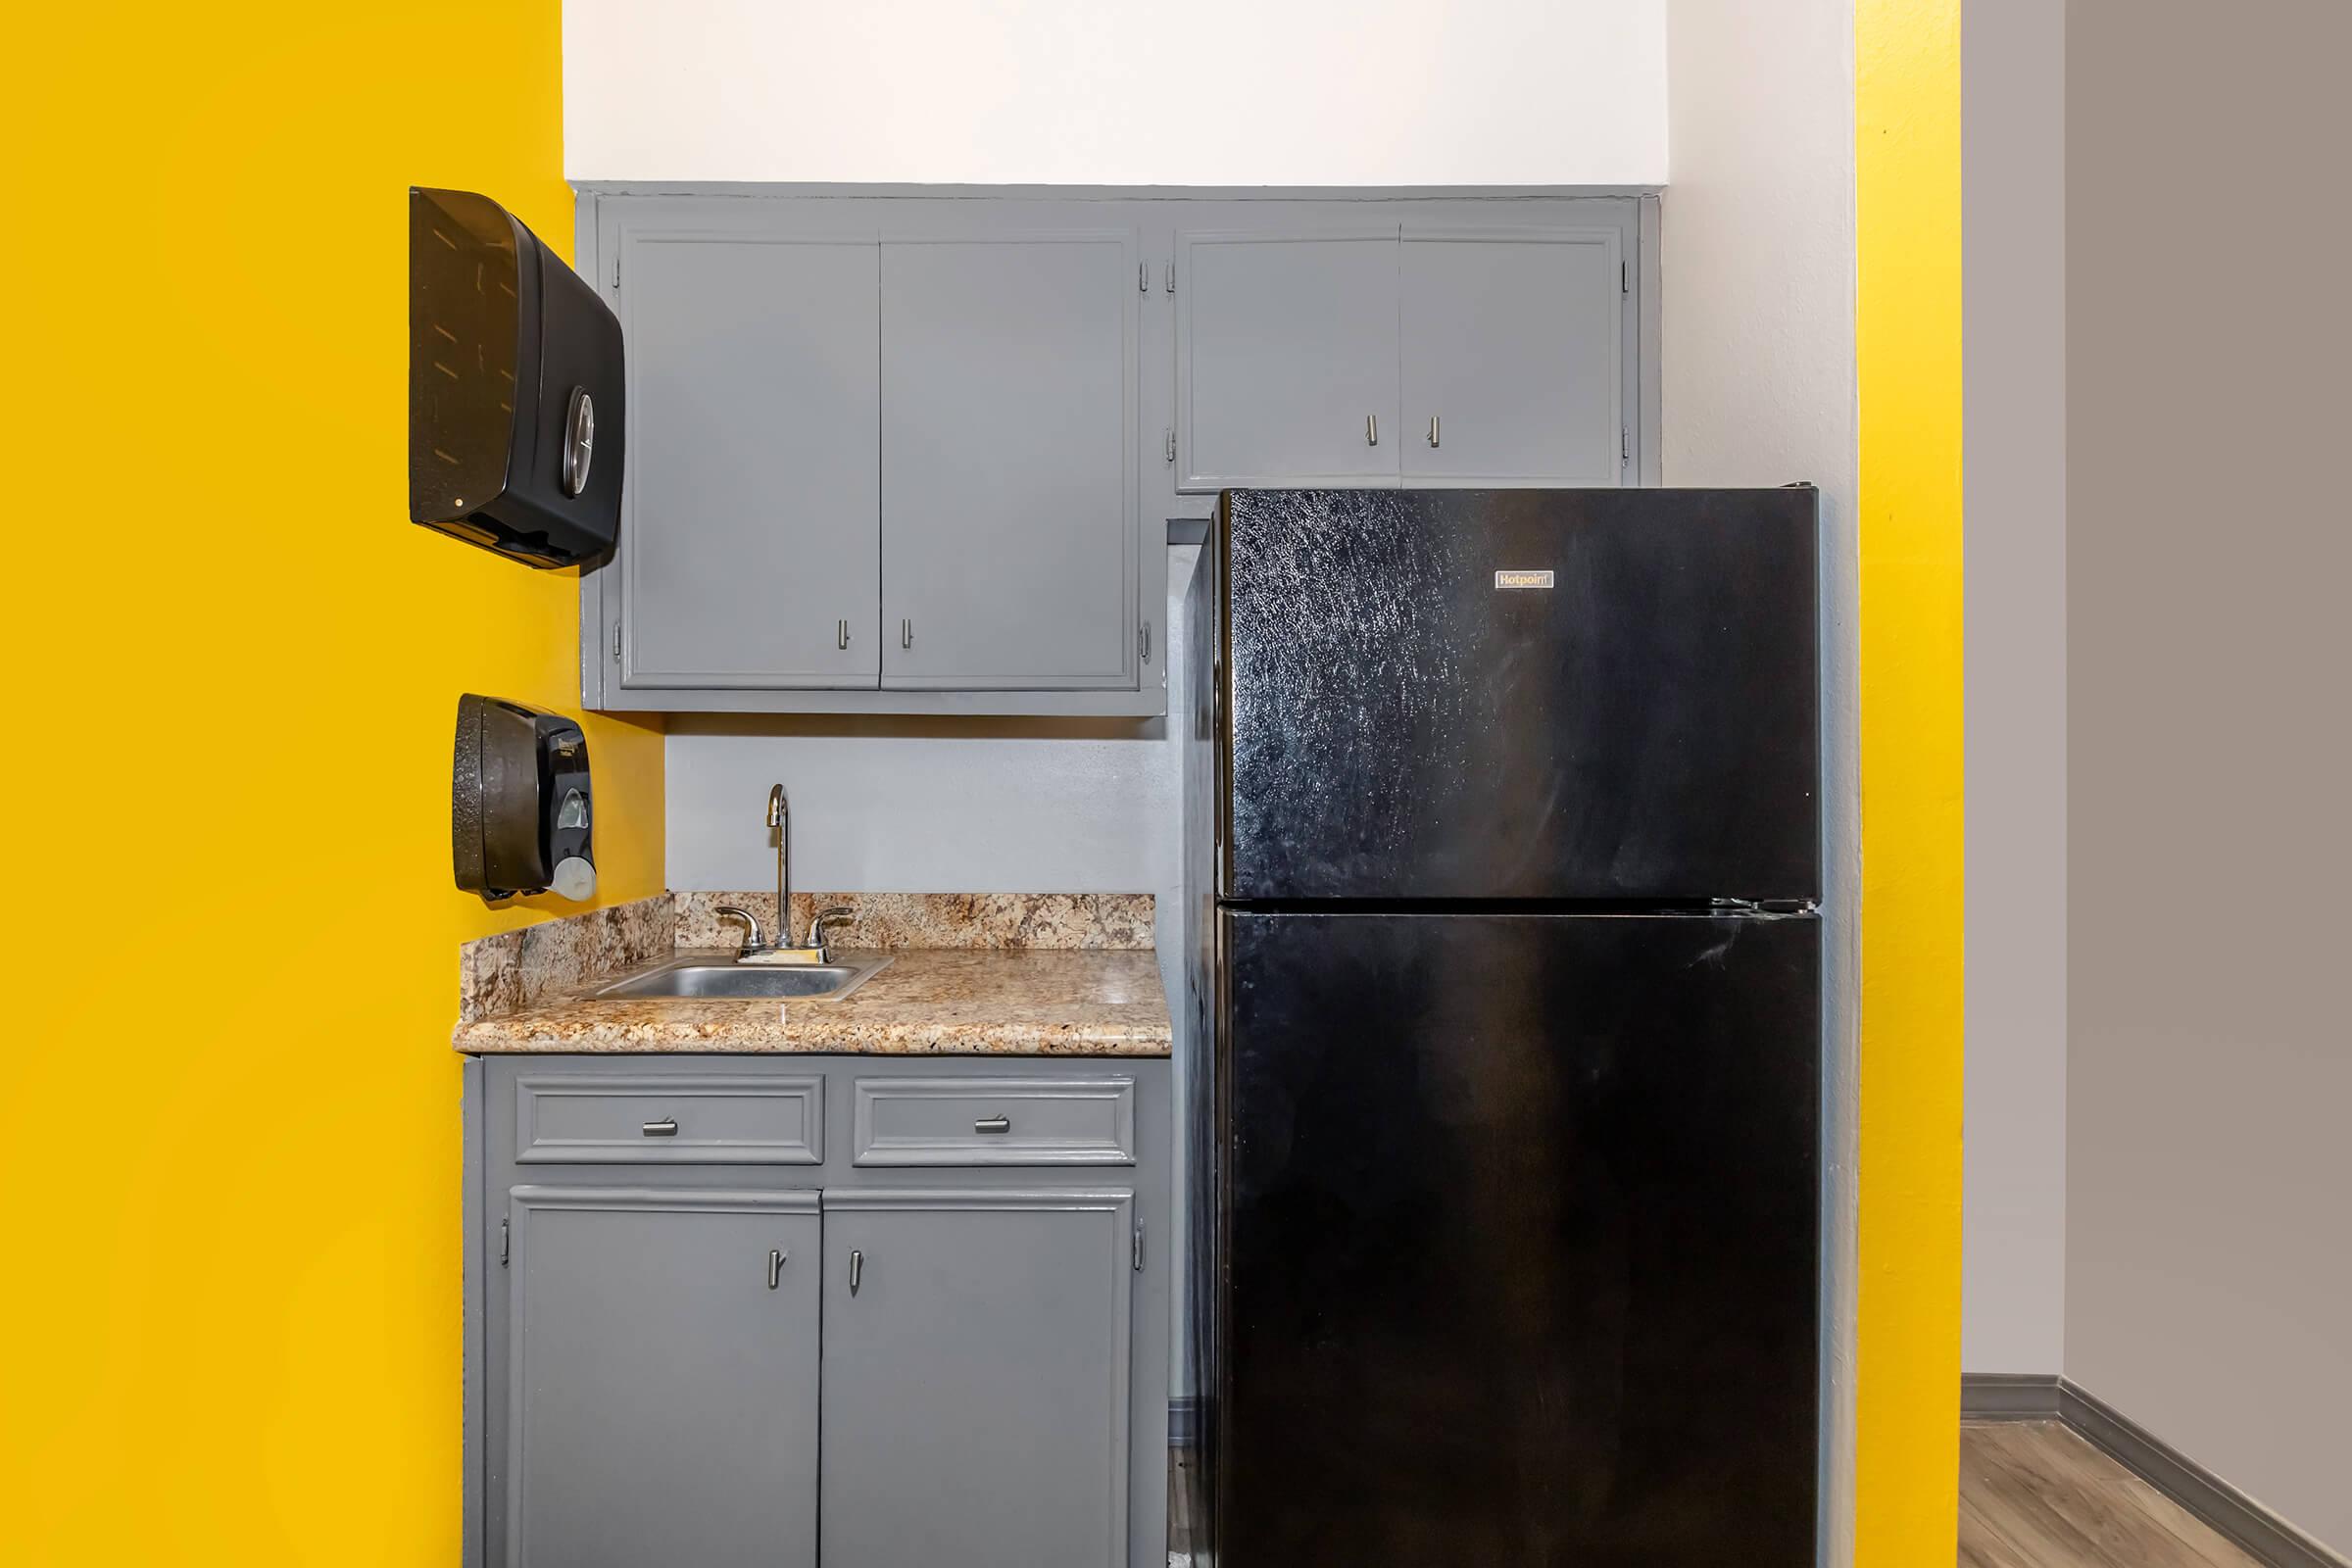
x=662, y=1401
x=1512, y=357
x=1285, y=360
x=976, y=1379
x=1008, y=450
x=750, y=547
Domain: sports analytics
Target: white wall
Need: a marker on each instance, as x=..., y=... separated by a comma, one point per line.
x=1117, y=93
x=2208, y=1243
x=1758, y=371
x=2013, y=1202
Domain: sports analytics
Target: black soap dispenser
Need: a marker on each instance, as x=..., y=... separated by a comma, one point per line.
x=521, y=811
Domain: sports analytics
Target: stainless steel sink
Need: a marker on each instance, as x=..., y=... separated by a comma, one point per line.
x=713, y=975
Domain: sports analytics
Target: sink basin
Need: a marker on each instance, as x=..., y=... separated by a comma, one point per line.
x=709, y=976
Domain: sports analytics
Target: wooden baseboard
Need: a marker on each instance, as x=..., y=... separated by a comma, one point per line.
x=2047, y=1396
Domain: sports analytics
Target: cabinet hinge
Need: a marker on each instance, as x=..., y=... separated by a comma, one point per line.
x=505, y=1242
x=1170, y=443
x=1139, y=1247
x=1625, y=279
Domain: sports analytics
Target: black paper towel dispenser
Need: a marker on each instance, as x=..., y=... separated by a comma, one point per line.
x=521, y=811
x=514, y=388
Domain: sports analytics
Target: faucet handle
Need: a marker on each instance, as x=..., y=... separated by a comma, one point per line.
x=817, y=922
x=750, y=921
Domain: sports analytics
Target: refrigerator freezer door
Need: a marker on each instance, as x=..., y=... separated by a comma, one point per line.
x=1520, y=1240
x=1520, y=693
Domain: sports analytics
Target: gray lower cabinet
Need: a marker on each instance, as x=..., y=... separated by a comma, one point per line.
x=1008, y=440
x=662, y=1377
x=938, y=1450
x=708, y=1324
x=751, y=535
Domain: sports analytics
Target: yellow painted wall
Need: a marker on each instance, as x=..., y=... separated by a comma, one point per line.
x=229, y=1111
x=229, y=1179
x=1908, y=365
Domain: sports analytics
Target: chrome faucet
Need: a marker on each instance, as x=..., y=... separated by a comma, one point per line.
x=779, y=817
x=779, y=820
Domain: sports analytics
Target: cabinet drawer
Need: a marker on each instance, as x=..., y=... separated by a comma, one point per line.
x=669, y=1119
x=995, y=1121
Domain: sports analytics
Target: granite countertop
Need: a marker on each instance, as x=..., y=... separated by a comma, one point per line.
x=1061, y=975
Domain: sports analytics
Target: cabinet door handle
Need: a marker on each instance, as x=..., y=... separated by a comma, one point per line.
x=993, y=1125
x=857, y=1270
x=666, y=1127
x=1432, y=429
x=775, y=1268
x=1371, y=430
x=841, y=634
x=905, y=634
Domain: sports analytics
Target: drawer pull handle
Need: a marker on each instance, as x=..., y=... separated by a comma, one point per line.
x=776, y=1267
x=857, y=1270
x=993, y=1125
x=666, y=1127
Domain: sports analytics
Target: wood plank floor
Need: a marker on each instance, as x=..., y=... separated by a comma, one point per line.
x=2032, y=1495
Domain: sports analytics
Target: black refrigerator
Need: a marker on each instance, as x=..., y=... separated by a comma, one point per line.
x=1502, y=866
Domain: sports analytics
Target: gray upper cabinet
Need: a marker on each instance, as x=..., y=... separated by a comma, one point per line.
x=750, y=544
x=921, y=451
x=1008, y=460
x=663, y=1376
x=1511, y=356
x=976, y=1379
x=1286, y=358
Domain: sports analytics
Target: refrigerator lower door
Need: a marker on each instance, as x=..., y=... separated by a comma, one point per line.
x=1520, y=1230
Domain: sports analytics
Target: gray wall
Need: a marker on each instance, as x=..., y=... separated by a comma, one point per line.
x=2209, y=582
x=947, y=805
x=1757, y=365
x=2014, y=1208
